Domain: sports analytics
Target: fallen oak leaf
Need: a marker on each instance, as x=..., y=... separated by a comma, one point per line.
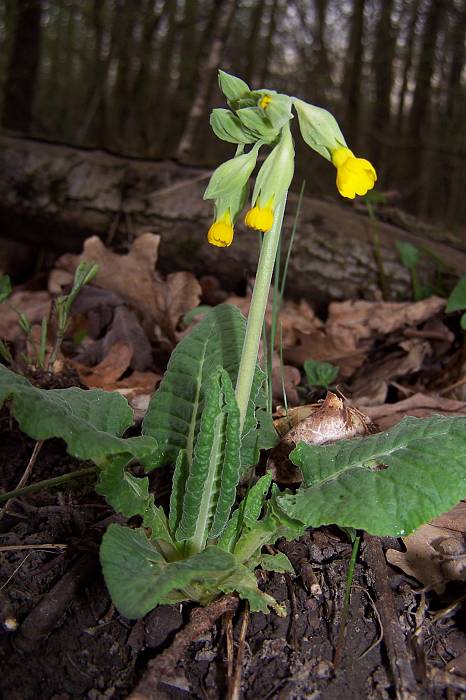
x=419, y=405
x=109, y=370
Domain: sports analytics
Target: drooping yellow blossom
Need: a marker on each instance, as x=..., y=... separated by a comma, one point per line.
x=354, y=175
x=221, y=231
x=260, y=218
x=265, y=101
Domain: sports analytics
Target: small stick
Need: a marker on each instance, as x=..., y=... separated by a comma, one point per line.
x=202, y=619
x=18, y=547
x=47, y=483
x=293, y=613
x=26, y=474
x=234, y=687
x=398, y=655
x=228, y=617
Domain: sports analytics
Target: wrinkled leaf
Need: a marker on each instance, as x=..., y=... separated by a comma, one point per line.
x=386, y=484
x=90, y=422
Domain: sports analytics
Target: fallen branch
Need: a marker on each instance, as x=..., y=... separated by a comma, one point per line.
x=162, y=668
x=398, y=654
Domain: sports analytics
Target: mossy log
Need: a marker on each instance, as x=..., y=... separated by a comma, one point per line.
x=55, y=196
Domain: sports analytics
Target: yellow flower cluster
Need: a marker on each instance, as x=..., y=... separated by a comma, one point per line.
x=354, y=175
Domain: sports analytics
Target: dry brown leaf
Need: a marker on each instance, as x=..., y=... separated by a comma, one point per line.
x=365, y=319
x=125, y=327
x=106, y=375
x=336, y=345
x=371, y=387
x=131, y=276
x=289, y=377
x=107, y=372
x=433, y=556
x=455, y=519
x=418, y=405
x=182, y=293
x=34, y=305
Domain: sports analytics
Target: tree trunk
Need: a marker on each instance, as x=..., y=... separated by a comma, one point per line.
x=353, y=72
x=268, y=47
x=106, y=195
x=24, y=64
x=382, y=66
x=199, y=104
x=408, y=60
x=252, y=44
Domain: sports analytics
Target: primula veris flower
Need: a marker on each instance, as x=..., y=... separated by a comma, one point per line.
x=354, y=175
x=221, y=231
x=260, y=218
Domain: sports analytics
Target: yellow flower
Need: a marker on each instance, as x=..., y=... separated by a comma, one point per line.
x=260, y=218
x=221, y=231
x=354, y=175
x=265, y=101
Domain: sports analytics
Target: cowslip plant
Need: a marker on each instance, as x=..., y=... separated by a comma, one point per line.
x=208, y=418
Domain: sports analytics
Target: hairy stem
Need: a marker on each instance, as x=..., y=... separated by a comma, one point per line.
x=257, y=310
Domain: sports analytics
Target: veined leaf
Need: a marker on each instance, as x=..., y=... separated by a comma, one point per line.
x=214, y=473
x=90, y=422
x=276, y=562
x=139, y=578
x=129, y=495
x=246, y=514
x=243, y=582
x=386, y=484
x=176, y=407
x=180, y=478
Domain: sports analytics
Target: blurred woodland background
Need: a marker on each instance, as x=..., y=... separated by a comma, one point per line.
x=138, y=77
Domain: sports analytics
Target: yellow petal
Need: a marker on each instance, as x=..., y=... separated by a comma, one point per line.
x=221, y=232
x=259, y=218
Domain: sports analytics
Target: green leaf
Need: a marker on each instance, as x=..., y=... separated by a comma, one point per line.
x=244, y=582
x=320, y=373
x=386, y=484
x=232, y=87
x=409, y=254
x=246, y=514
x=129, y=495
x=214, y=473
x=90, y=422
x=227, y=127
x=5, y=288
x=180, y=478
x=138, y=578
x=175, y=409
x=463, y=321
x=457, y=299
x=276, y=562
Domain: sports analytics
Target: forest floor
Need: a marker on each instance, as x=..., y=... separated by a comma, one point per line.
x=405, y=632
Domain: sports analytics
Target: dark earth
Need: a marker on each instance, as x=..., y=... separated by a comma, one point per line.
x=72, y=643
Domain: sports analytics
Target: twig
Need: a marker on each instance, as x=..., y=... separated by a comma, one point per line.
x=47, y=483
x=26, y=474
x=447, y=389
x=18, y=547
x=234, y=687
x=43, y=618
x=202, y=619
x=293, y=613
x=228, y=619
x=398, y=655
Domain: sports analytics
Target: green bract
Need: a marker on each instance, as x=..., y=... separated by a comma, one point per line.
x=228, y=127
x=276, y=173
x=232, y=176
x=319, y=128
x=232, y=87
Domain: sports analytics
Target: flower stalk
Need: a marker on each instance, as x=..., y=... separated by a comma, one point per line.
x=257, y=309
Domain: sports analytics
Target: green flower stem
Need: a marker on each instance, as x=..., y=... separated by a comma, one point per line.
x=47, y=483
x=257, y=309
